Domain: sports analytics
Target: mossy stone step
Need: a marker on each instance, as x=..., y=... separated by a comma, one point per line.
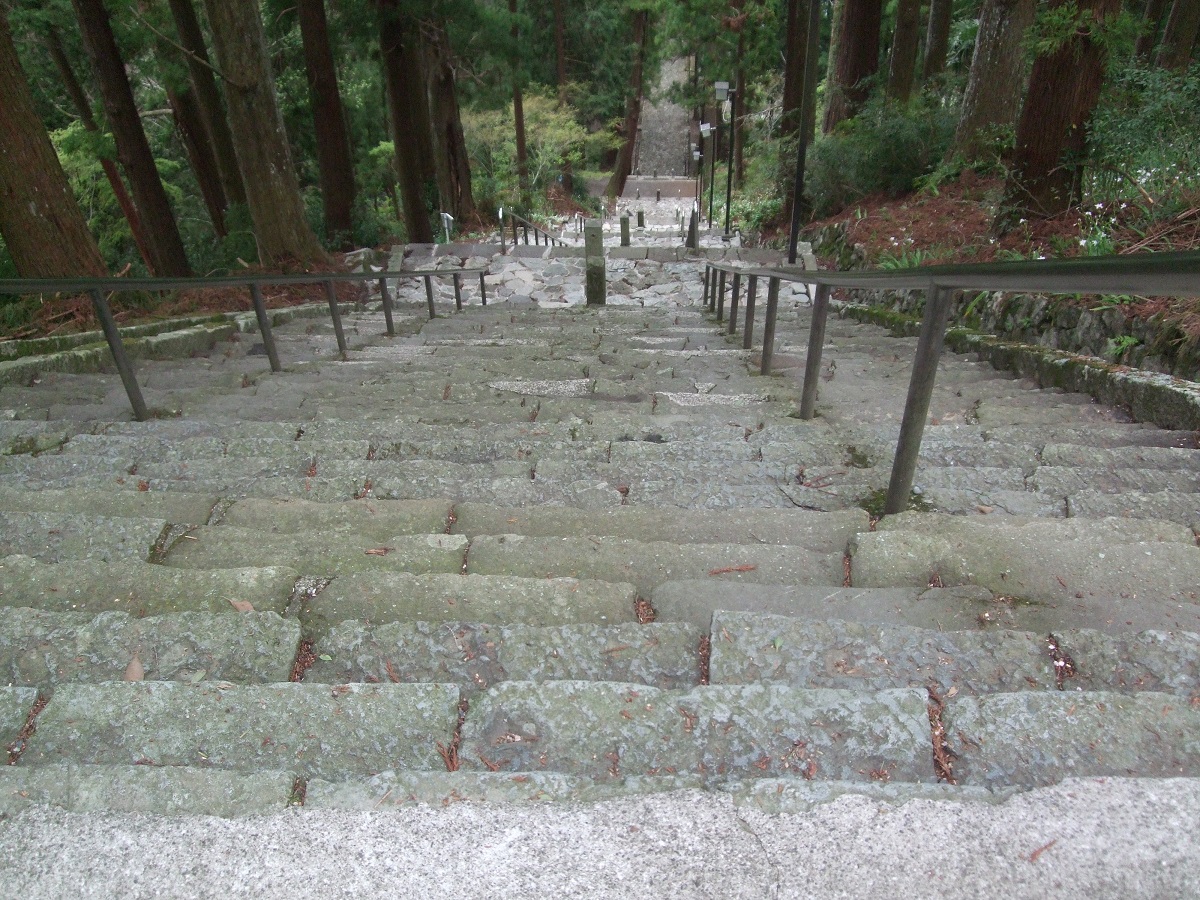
x=15, y=706
x=54, y=536
x=176, y=507
x=379, y=519
x=142, y=449
x=1168, y=506
x=312, y=730
x=604, y=731
x=43, y=649
x=1091, y=457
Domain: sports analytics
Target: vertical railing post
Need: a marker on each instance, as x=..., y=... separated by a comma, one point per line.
x=920, y=391
x=482, y=289
x=707, y=272
x=331, y=296
x=429, y=295
x=816, y=343
x=264, y=326
x=748, y=327
x=721, y=298
x=733, y=302
x=458, y=292
x=525, y=233
x=768, y=350
x=113, y=335
x=387, y=306
x=516, y=240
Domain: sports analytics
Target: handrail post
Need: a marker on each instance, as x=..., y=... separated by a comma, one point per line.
x=429, y=295
x=768, y=350
x=525, y=233
x=113, y=335
x=458, y=292
x=331, y=296
x=733, y=302
x=721, y=298
x=482, y=288
x=748, y=327
x=816, y=343
x=264, y=326
x=513, y=219
x=707, y=271
x=387, y=307
x=920, y=391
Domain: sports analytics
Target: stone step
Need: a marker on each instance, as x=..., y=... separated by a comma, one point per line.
x=603, y=731
x=44, y=649
x=1082, y=456
x=54, y=536
x=321, y=553
x=1168, y=506
x=1065, y=480
x=176, y=507
x=377, y=519
x=16, y=703
x=647, y=564
x=749, y=648
x=312, y=730
x=1096, y=436
x=1030, y=738
x=476, y=656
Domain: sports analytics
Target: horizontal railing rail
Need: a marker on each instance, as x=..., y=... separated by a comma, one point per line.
x=1147, y=274
x=96, y=288
x=540, y=235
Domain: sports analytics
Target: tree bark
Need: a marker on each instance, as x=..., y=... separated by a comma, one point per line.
x=519, y=111
x=1151, y=26
x=133, y=150
x=857, y=59
x=993, y=96
x=189, y=121
x=264, y=158
x=83, y=106
x=402, y=77
x=208, y=97
x=329, y=122
x=449, y=143
x=633, y=107
x=40, y=219
x=560, y=65
x=903, y=62
x=1063, y=89
x=1179, y=37
x=937, y=38
x=737, y=122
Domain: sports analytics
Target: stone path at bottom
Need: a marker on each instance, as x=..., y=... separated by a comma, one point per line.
x=542, y=553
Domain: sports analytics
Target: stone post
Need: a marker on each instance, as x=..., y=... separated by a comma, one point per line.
x=641, y=219
x=625, y=230
x=596, y=284
x=692, y=242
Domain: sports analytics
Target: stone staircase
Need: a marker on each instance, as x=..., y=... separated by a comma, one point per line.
x=537, y=551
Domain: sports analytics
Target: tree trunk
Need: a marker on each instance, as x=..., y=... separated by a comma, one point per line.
x=189, y=121
x=903, y=63
x=83, y=106
x=449, y=143
x=993, y=97
x=329, y=123
x=937, y=38
x=264, y=158
x=519, y=111
x=737, y=122
x=633, y=107
x=208, y=97
x=1179, y=38
x=162, y=234
x=403, y=79
x=790, y=118
x=1063, y=89
x=857, y=59
x=40, y=219
x=1151, y=25
x=560, y=60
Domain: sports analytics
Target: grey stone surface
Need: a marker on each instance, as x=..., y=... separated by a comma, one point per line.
x=15, y=704
x=54, y=536
x=1031, y=738
x=380, y=519
x=174, y=506
x=313, y=730
x=798, y=795
x=663, y=656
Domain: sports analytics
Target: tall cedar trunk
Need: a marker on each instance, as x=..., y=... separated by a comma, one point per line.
x=857, y=59
x=208, y=97
x=402, y=78
x=993, y=98
x=40, y=219
x=790, y=119
x=329, y=123
x=1179, y=38
x=133, y=150
x=560, y=67
x=1151, y=25
x=519, y=111
x=902, y=65
x=836, y=15
x=83, y=106
x=937, y=38
x=737, y=122
x=633, y=107
x=1063, y=89
x=449, y=143
x=264, y=158
x=189, y=122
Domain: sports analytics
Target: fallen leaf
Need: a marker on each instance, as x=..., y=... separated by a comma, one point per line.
x=134, y=671
x=242, y=605
x=728, y=569
x=143, y=486
x=379, y=551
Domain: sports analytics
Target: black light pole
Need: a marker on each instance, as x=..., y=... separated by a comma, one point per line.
x=807, y=99
x=712, y=169
x=698, y=159
x=725, y=92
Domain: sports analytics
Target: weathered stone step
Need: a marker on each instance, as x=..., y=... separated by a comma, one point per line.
x=43, y=649
x=605, y=731
x=1137, y=457
x=54, y=536
x=379, y=519
x=826, y=532
x=476, y=656
x=316, y=552
x=312, y=730
x=647, y=564
x=15, y=706
x=1168, y=506
x=749, y=648
x=1066, y=480
x=175, y=507
x=153, y=790
x=1095, y=436
x=1032, y=738
x=973, y=497
x=164, y=449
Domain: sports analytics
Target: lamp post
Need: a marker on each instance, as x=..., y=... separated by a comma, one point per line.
x=697, y=157
x=705, y=131
x=725, y=93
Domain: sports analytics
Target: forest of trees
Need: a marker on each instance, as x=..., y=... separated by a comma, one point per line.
x=179, y=136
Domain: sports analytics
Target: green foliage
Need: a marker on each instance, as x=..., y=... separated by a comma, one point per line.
x=1055, y=27
x=885, y=148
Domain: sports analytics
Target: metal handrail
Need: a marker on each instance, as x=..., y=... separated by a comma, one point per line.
x=96, y=287
x=1155, y=274
x=526, y=225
